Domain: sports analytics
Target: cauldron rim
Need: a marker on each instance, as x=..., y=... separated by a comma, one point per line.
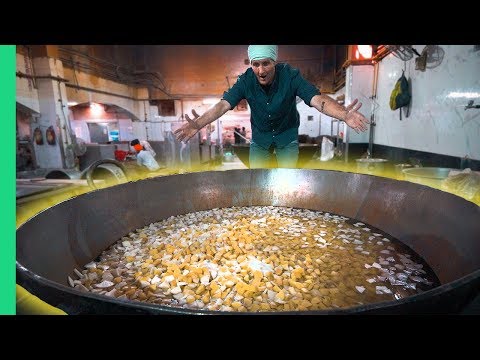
x=155, y=308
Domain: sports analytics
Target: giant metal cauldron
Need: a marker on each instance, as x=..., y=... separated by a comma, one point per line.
x=442, y=228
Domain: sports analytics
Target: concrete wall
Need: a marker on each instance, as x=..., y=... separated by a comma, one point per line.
x=359, y=85
x=27, y=94
x=97, y=83
x=51, y=99
x=126, y=130
x=321, y=123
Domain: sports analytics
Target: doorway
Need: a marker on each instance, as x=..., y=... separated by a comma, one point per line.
x=98, y=133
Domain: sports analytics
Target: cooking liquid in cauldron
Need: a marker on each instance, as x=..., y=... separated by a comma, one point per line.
x=258, y=258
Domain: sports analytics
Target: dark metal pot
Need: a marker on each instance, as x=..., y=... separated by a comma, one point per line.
x=399, y=170
x=431, y=176
x=371, y=166
x=440, y=227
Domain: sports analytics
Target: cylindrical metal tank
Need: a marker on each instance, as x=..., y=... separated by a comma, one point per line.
x=104, y=169
x=63, y=174
x=442, y=228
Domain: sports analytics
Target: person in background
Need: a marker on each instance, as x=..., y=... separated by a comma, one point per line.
x=236, y=136
x=146, y=145
x=144, y=158
x=270, y=89
x=244, y=135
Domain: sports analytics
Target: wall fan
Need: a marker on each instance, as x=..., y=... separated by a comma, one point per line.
x=431, y=57
x=435, y=55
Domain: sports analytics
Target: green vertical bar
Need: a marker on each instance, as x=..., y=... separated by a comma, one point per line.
x=7, y=180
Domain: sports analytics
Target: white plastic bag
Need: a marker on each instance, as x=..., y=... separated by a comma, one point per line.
x=327, y=150
x=464, y=183
x=148, y=147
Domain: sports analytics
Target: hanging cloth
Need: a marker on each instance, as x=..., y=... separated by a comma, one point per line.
x=400, y=96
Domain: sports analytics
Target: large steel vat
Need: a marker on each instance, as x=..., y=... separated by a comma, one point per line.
x=442, y=228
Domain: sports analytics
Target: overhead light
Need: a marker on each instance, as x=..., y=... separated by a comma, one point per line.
x=72, y=103
x=96, y=109
x=362, y=52
x=210, y=101
x=455, y=94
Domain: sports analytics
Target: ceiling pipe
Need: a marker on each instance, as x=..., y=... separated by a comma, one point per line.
x=79, y=87
x=32, y=66
x=115, y=72
x=103, y=92
x=50, y=77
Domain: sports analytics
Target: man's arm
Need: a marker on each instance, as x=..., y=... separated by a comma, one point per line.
x=326, y=105
x=187, y=131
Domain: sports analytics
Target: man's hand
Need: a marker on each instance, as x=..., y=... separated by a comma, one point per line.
x=187, y=131
x=354, y=119
x=326, y=105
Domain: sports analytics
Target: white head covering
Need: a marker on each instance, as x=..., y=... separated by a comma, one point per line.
x=257, y=52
